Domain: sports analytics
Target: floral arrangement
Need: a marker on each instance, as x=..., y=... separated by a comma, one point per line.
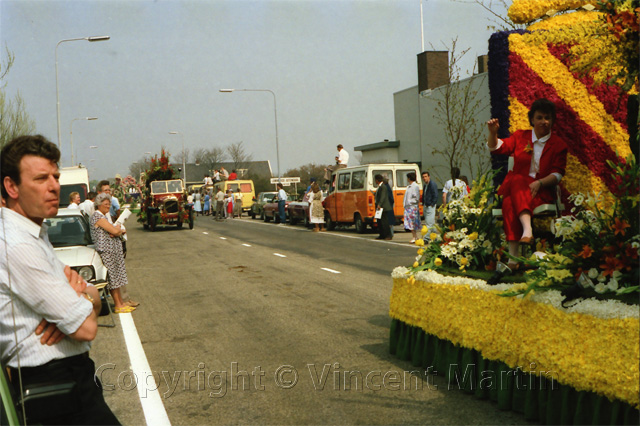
x=599, y=248
x=461, y=311
x=468, y=237
x=540, y=62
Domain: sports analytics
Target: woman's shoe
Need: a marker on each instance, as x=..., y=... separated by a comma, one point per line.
x=526, y=240
x=412, y=241
x=501, y=271
x=124, y=310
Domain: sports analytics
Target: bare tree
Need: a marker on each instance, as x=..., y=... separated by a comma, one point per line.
x=14, y=119
x=498, y=22
x=211, y=158
x=177, y=158
x=457, y=111
x=239, y=157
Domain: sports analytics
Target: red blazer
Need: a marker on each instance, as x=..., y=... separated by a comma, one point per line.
x=553, y=160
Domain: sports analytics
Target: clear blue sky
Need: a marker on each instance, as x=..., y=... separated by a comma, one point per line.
x=334, y=66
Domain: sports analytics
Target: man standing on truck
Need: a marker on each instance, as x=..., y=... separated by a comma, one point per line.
x=342, y=160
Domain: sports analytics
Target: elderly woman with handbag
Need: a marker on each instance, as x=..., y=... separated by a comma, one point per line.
x=105, y=236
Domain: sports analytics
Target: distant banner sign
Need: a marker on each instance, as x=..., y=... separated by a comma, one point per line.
x=286, y=180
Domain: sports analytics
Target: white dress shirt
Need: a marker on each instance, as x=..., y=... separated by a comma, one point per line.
x=33, y=286
x=343, y=157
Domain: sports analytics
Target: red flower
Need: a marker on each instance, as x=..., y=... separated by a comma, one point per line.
x=620, y=226
x=586, y=251
x=611, y=264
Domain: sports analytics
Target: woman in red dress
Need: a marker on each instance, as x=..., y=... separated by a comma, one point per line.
x=540, y=159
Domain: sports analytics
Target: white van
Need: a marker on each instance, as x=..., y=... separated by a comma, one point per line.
x=73, y=179
x=351, y=198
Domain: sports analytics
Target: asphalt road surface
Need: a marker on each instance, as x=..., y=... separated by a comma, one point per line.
x=244, y=322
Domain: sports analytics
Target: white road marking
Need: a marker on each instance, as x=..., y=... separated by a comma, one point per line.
x=279, y=255
x=300, y=229
x=247, y=245
x=223, y=238
x=330, y=270
x=152, y=406
x=205, y=233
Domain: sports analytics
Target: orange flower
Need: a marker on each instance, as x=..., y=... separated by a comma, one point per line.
x=620, y=226
x=586, y=251
x=611, y=264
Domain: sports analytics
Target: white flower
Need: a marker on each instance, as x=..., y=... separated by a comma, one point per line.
x=602, y=278
x=616, y=275
x=600, y=288
x=593, y=273
x=578, y=199
x=613, y=284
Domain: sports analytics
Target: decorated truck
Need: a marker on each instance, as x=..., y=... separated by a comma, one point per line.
x=164, y=200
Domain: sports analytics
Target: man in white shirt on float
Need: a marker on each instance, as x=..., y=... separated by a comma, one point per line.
x=342, y=161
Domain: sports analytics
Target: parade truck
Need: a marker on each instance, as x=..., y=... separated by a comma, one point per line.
x=164, y=199
x=73, y=179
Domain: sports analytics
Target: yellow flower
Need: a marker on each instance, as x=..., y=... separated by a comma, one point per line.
x=416, y=264
x=463, y=263
x=473, y=236
x=419, y=242
x=421, y=252
x=424, y=230
x=433, y=236
x=437, y=262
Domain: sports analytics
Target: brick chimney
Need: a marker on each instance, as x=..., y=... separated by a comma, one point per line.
x=483, y=64
x=433, y=70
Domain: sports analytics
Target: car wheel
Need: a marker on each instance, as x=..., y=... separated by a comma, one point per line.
x=191, y=219
x=306, y=222
x=262, y=215
x=331, y=225
x=292, y=220
x=152, y=223
x=361, y=227
x=265, y=217
x=252, y=214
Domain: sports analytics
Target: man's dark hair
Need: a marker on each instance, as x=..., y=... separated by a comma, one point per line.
x=545, y=106
x=101, y=184
x=426, y=173
x=279, y=185
x=455, y=174
x=91, y=195
x=378, y=178
x=340, y=146
x=13, y=152
x=411, y=176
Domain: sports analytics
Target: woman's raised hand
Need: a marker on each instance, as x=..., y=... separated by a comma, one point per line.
x=493, y=125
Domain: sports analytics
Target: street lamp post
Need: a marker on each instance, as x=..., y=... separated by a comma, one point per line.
x=73, y=162
x=184, y=164
x=275, y=113
x=89, y=39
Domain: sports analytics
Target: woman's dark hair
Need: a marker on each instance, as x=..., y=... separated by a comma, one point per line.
x=13, y=152
x=455, y=174
x=411, y=176
x=543, y=105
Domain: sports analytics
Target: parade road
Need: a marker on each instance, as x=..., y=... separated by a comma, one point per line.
x=244, y=322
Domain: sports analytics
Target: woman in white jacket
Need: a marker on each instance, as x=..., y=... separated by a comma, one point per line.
x=412, y=206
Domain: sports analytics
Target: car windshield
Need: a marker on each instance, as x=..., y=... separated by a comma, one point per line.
x=267, y=197
x=164, y=186
x=66, y=231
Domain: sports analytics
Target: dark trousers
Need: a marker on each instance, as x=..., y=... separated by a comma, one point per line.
x=283, y=217
x=84, y=405
x=383, y=226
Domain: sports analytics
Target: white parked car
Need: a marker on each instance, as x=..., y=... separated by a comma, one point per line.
x=70, y=235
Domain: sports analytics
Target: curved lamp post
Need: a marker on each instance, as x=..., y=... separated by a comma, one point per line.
x=184, y=164
x=73, y=161
x=275, y=113
x=89, y=39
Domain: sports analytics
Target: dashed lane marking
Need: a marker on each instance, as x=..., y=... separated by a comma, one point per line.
x=247, y=245
x=333, y=271
x=279, y=255
x=223, y=238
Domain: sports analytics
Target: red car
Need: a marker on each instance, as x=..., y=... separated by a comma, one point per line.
x=270, y=209
x=299, y=211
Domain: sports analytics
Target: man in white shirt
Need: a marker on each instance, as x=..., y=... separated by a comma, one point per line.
x=342, y=160
x=282, y=200
x=34, y=285
x=87, y=205
x=219, y=204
